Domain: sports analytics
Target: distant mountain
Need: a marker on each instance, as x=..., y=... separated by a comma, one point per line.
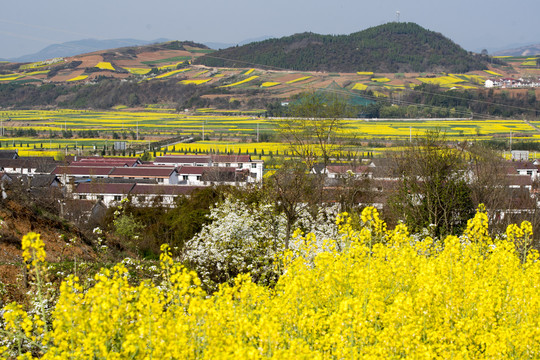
x=78, y=47
x=392, y=47
x=218, y=45
x=520, y=51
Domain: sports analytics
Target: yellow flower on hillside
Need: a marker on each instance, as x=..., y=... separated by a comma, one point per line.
x=77, y=78
x=240, y=82
x=138, y=71
x=381, y=79
x=359, y=86
x=269, y=84
x=103, y=65
x=298, y=80
x=171, y=73
x=194, y=81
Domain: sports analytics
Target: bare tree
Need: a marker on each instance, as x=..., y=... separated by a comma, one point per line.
x=433, y=190
x=314, y=128
x=290, y=188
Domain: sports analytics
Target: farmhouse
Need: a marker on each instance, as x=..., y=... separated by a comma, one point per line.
x=163, y=175
x=109, y=194
x=254, y=168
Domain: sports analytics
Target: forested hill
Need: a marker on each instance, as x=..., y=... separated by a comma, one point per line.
x=392, y=47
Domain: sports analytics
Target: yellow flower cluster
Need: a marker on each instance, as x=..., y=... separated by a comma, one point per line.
x=194, y=81
x=298, y=80
x=359, y=86
x=138, y=71
x=171, y=73
x=441, y=80
x=77, y=78
x=400, y=297
x=240, y=82
x=381, y=79
x=267, y=84
x=104, y=65
x=33, y=249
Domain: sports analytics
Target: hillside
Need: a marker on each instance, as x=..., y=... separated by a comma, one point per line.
x=392, y=47
x=520, y=51
x=72, y=48
x=110, y=63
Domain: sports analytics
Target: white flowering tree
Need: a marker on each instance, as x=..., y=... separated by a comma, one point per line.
x=245, y=238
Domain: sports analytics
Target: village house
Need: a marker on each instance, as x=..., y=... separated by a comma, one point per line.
x=163, y=175
x=108, y=194
x=506, y=83
x=254, y=168
x=160, y=195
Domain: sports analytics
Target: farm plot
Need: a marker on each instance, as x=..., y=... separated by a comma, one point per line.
x=94, y=129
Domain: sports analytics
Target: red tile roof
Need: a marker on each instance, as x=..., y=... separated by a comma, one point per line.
x=342, y=169
x=103, y=188
x=83, y=170
x=231, y=158
x=105, y=162
x=182, y=159
x=192, y=170
x=153, y=172
x=150, y=189
x=519, y=180
x=522, y=165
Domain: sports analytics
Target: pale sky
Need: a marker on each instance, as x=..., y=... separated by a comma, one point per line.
x=29, y=26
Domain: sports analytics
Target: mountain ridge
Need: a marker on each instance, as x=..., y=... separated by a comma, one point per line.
x=83, y=46
x=392, y=47
x=533, y=49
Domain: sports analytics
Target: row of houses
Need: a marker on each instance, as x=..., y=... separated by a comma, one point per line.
x=517, y=177
x=507, y=83
x=110, y=180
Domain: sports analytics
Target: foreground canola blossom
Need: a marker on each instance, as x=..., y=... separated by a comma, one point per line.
x=385, y=295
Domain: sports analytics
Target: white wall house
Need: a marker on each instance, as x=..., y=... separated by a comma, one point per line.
x=109, y=194
x=255, y=168
x=163, y=175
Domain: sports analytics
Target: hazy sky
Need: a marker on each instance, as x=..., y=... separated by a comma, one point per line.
x=28, y=26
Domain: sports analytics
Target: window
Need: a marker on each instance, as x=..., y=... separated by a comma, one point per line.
x=117, y=197
x=253, y=166
x=529, y=172
x=198, y=178
x=82, y=197
x=227, y=164
x=159, y=180
x=141, y=199
x=185, y=177
x=240, y=165
x=100, y=197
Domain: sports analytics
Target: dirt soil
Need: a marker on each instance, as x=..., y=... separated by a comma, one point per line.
x=17, y=221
